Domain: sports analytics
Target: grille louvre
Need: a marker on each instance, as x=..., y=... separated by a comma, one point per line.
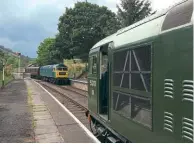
x=187, y=129
x=187, y=90
x=169, y=88
x=168, y=122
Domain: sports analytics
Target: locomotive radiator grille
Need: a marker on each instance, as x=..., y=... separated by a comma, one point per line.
x=187, y=91
x=168, y=122
x=169, y=88
x=187, y=129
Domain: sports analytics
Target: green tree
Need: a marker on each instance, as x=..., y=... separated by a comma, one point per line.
x=13, y=60
x=61, y=48
x=81, y=27
x=45, y=51
x=131, y=11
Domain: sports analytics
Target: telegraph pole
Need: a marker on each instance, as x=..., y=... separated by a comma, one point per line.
x=18, y=54
x=3, y=81
x=19, y=63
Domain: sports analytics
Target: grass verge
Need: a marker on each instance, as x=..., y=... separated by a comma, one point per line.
x=7, y=79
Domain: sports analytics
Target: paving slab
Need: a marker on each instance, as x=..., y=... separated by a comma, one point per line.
x=44, y=136
x=39, y=109
x=49, y=138
x=45, y=130
x=42, y=117
x=45, y=122
x=41, y=113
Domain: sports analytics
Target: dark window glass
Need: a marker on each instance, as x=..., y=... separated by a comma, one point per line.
x=90, y=65
x=125, y=83
x=59, y=69
x=136, y=108
x=133, y=63
x=136, y=82
x=117, y=79
x=179, y=15
x=104, y=63
x=142, y=57
x=121, y=103
x=121, y=61
x=62, y=69
x=141, y=111
x=94, y=65
x=147, y=79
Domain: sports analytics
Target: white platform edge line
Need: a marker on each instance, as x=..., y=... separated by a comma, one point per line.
x=80, y=124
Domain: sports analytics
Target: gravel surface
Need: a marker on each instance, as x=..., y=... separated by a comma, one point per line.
x=15, y=115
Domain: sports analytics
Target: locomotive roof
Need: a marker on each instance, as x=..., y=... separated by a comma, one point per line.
x=148, y=27
x=112, y=37
x=104, y=41
x=54, y=66
x=32, y=67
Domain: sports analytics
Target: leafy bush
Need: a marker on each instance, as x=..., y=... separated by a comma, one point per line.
x=75, y=69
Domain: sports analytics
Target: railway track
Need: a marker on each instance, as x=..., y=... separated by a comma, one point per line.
x=72, y=100
x=76, y=90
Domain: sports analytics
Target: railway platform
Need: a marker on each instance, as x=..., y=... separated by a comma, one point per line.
x=45, y=119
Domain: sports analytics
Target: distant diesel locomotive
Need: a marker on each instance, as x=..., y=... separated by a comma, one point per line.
x=140, y=81
x=57, y=74
x=54, y=73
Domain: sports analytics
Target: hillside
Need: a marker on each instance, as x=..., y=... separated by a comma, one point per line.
x=13, y=57
x=11, y=52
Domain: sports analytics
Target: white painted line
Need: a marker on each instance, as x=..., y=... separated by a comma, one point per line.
x=80, y=124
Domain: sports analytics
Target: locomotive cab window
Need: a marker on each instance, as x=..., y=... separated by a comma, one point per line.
x=61, y=69
x=93, y=64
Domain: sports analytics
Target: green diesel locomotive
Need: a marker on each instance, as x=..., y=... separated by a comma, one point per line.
x=140, y=80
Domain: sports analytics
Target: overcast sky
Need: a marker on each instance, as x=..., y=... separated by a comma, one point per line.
x=25, y=23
